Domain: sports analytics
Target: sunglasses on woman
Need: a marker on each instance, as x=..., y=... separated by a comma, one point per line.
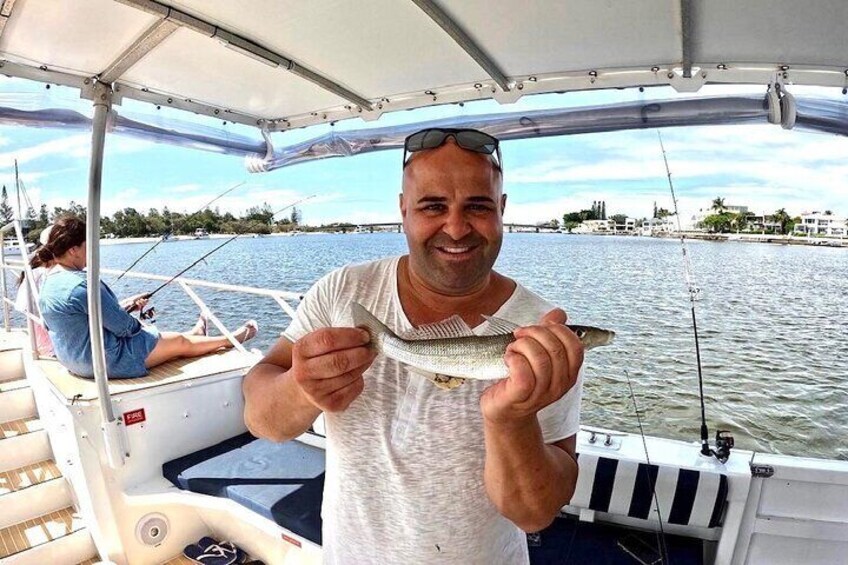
x=468, y=139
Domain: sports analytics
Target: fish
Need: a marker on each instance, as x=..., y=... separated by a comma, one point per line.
x=451, y=352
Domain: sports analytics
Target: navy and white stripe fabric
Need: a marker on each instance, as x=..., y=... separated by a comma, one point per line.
x=686, y=497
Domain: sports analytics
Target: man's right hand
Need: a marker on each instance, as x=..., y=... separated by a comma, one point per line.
x=328, y=363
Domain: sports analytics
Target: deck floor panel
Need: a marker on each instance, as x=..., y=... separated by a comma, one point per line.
x=27, y=476
x=180, y=370
x=31, y=533
x=19, y=427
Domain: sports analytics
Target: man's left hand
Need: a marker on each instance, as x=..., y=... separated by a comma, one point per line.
x=544, y=362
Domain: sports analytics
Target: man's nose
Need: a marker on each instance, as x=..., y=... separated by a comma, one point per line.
x=456, y=225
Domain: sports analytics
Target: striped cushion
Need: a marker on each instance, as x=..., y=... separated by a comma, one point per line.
x=686, y=497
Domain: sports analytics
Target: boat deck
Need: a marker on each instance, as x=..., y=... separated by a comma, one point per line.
x=75, y=388
x=31, y=533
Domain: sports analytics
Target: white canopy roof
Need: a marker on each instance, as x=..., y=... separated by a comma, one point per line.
x=290, y=63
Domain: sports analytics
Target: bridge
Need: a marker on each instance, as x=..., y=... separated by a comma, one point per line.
x=398, y=227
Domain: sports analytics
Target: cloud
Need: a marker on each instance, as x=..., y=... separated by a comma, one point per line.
x=69, y=145
x=762, y=167
x=183, y=188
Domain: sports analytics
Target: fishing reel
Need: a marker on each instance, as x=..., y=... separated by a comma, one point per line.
x=724, y=443
x=148, y=315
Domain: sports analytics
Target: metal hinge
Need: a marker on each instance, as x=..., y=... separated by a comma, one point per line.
x=762, y=471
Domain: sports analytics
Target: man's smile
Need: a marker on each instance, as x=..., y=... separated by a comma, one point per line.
x=456, y=251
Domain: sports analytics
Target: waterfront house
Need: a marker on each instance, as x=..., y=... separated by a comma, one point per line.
x=818, y=223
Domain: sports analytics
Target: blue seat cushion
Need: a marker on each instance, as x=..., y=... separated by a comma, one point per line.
x=283, y=482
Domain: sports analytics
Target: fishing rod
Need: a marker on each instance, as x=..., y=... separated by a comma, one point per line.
x=724, y=441
x=155, y=245
x=133, y=307
x=663, y=548
x=293, y=204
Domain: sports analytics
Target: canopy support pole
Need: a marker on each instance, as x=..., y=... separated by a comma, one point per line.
x=462, y=39
x=102, y=95
x=686, y=35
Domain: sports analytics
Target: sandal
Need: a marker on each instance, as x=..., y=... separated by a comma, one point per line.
x=209, y=552
x=251, y=327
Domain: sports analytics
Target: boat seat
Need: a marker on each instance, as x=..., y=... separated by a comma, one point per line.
x=76, y=388
x=623, y=487
x=569, y=540
x=283, y=482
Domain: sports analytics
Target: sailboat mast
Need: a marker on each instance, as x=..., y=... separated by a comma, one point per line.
x=18, y=190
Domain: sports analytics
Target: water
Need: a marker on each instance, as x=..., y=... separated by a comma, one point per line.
x=772, y=321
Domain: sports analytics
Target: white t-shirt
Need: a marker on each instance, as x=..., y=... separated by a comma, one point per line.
x=404, y=479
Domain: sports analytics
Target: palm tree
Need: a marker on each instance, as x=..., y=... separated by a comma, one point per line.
x=782, y=218
x=740, y=220
x=718, y=204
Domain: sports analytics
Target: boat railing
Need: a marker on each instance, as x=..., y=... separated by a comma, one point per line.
x=285, y=300
x=32, y=302
x=281, y=297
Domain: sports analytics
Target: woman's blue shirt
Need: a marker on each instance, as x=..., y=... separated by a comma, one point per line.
x=64, y=306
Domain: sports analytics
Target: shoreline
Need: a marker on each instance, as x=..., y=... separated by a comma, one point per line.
x=717, y=237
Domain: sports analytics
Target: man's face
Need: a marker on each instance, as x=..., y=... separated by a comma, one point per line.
x=452, y=208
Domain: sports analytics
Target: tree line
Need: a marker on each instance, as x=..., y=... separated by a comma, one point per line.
x=130, y=222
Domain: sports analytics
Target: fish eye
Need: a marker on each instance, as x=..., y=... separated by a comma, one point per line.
x=580, y=334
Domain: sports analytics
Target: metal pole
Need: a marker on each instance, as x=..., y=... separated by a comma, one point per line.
x=29, y=280
x=112, y=438
x=7, y=325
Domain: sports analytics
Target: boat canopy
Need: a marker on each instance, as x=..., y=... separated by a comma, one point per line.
x=281, y=64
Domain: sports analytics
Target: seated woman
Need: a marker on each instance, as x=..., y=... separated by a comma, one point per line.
x=131, y=348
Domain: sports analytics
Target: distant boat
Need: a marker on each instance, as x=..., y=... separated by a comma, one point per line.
x=201, y=233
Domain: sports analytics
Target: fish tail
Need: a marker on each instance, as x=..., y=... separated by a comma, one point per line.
x=362, y=318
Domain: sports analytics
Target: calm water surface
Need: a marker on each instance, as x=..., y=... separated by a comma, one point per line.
x=773, y=322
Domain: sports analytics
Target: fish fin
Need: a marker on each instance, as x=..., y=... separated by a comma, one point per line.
x=363, y=318
x=444, y=382
x=452, y=327
x=498, y=326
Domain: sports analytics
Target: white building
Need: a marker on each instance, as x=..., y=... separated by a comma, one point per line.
x=763, y=222
x=629, y=226
x=817, y=223
x=701, y=214
x=658, y=225
x=595, y=226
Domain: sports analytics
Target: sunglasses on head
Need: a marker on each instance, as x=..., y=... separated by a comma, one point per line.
x=468, y=139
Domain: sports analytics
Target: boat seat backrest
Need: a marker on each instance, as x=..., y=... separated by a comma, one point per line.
x=623, y=487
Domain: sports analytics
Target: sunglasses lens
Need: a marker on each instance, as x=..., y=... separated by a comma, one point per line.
x=427, y=139
x=476, y=141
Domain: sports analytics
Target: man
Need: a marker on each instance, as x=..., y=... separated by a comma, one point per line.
x=417, y=474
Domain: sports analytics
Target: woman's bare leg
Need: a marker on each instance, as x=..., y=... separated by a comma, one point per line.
x=172, y=345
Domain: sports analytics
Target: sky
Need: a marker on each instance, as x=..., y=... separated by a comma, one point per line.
x=760, y=166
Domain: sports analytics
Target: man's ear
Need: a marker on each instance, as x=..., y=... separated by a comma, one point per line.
x=402, y=204
x=503, y=203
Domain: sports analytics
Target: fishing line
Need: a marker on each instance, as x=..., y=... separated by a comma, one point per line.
x=148, y=295
x=661, y=534
x=694, y=293
x=155, y=245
